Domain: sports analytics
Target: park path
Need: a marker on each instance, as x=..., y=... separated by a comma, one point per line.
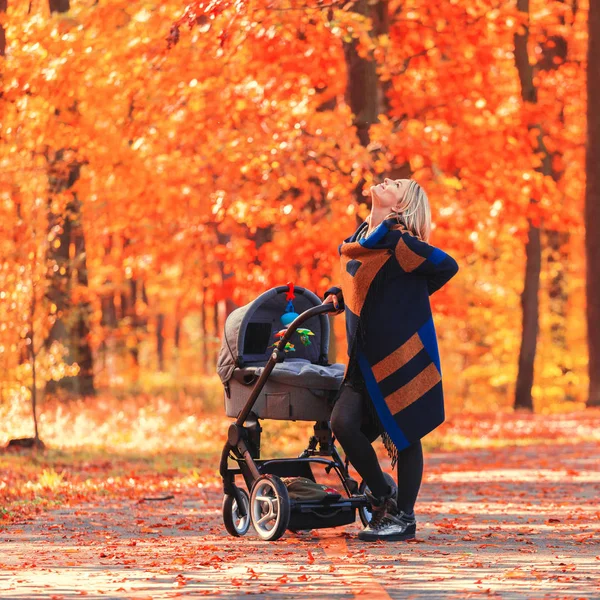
x=513, y=522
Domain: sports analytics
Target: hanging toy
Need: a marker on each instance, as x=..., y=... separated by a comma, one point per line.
x=279, y=335
x=288, y=347
x=287, y=318
x=290, y=314
x=304, y=333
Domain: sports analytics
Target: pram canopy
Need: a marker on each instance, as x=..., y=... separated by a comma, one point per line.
x=249, y=335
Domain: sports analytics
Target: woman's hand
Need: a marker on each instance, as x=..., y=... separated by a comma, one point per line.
x=332, y=298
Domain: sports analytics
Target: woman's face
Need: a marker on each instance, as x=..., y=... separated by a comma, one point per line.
x=389, y=193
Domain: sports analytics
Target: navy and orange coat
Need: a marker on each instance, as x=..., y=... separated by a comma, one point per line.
x=387, y=279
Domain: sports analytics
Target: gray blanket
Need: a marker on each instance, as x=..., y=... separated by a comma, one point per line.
x=298, y=372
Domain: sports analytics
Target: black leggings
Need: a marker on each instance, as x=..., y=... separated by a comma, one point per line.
x=347, y=420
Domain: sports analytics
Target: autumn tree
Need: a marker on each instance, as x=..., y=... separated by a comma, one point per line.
x=3, y=5
x=69, y=281
x=27, y=313
x=554, y=46
x=199, y=176
x=363, y=91
x=27, y=361
x=545, y=82
x=592, y=204
x=533, y=251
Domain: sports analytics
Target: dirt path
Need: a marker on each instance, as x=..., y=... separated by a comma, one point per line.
x=503, y=523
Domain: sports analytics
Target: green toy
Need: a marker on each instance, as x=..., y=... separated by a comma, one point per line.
x=304, y=333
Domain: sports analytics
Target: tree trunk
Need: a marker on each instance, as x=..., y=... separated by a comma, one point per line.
x=363, y=91
x=3, y=7
x=177, y=343
x=72, y=325
x=262, y=236
x=160, y=341
x=217, y=331
x=204, y=329
x=592, y=205
x=33, y=355
x=529, y=297
x=558, y=296
x=59, y=6
x=62, y=175
x=109, y=311
x=554, y=53
x=530, y=309
x=177, y=331
x=134, y=350
x=123, y=304
x=81, y=341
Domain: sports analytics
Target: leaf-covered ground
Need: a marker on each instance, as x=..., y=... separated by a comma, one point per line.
x=508, y=509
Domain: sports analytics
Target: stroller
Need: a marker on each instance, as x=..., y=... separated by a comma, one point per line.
x=263, y=381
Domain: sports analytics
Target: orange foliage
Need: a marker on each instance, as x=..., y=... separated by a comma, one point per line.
x=219, y=159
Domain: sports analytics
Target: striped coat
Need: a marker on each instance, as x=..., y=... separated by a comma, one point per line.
x=386, y=281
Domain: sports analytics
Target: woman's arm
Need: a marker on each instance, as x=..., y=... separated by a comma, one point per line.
x=420, y=258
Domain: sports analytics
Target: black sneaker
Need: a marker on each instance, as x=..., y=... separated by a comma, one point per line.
x=388, y=522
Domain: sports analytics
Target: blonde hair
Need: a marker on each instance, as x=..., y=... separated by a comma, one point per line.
x=414, y=211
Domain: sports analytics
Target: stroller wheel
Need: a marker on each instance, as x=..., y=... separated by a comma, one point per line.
x=364, y=512
x=269, y=507
x=235, y=524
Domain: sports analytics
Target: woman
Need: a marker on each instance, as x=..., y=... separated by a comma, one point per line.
x=393, y=383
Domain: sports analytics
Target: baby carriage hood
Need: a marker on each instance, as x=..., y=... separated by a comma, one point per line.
x=250, y=332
